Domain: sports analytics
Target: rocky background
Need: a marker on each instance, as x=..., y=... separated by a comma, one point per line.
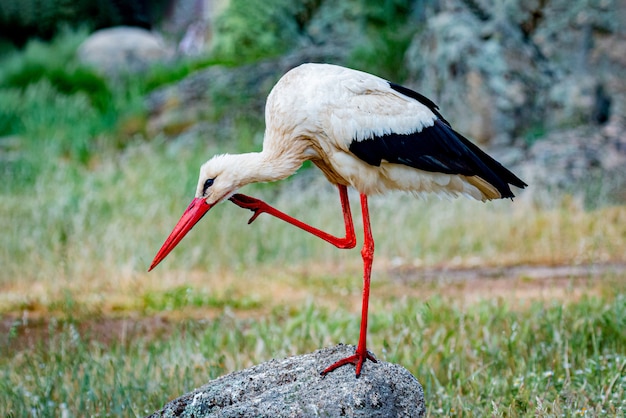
x=541, y=83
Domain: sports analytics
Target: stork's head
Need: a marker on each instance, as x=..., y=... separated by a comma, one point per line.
x=218, y=181
x=219, y=178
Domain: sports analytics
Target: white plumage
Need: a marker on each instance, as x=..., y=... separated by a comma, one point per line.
x=316, y=111
x=361, y=131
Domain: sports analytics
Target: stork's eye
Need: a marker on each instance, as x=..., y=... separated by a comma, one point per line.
x=207, y=184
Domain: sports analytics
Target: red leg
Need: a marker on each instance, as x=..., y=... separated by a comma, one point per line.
x=259, y=207
x=367, y=252
x=349, y=241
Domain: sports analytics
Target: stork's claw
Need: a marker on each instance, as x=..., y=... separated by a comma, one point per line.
x=246, y=202
x=358, y=358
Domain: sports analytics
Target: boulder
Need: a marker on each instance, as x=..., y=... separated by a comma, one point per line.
x=502, y=74
x=588, y=160
x=293, y=387
x=123, y=48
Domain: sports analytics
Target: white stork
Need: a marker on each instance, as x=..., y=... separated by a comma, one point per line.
x=361, y=131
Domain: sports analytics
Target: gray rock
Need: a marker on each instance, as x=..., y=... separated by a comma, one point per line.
x=588, y=161
x=503, y=73
x=293, y=387
x=122, y=48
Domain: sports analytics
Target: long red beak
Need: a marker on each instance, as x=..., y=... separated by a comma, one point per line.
x=196, y=210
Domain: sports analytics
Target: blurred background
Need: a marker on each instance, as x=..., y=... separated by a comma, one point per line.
x=541, y=83
x=108, y=108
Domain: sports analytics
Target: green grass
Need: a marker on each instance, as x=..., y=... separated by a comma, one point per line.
x=185, y=296
x=487, y=359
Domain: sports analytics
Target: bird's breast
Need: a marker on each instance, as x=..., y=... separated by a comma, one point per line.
x=320, y=155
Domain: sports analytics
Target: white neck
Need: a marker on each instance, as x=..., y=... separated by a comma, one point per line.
x=259, y=167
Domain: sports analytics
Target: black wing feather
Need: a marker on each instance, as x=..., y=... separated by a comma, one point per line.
x=420, y=98
x=437, y=149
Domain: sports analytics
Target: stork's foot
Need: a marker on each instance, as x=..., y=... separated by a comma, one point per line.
x=247, y=202
x=358, y=358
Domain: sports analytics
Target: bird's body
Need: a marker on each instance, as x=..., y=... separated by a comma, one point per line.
x=331, y=115
x=361, y=131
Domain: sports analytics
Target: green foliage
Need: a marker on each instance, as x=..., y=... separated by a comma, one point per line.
x=53, y=108
x=49, y=126
x=381, y=33
x=391, y=28
x=162, y=75
x=21, y=20
x=384, y=53
x=377, y=33
x=55, y=62
x=248, y=30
